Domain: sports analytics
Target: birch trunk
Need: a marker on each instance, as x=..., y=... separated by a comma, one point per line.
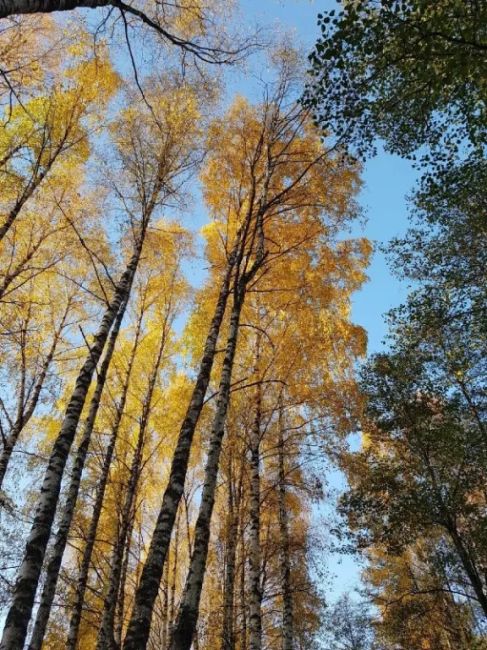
x=82, y=581
x=228, y=631
x=12, y=7
x=165, y=607
x=172, y=589
x=25, y=588
x=54, y=565
x=25, y=415
x=184, y=629
x=287, y=597
x=243, y=600
x=139, y=625
x=228, y=586
x=118, y=627
x=106, y=640
x=255, y=590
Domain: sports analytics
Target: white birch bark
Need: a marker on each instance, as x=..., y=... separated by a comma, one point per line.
x=243, y=593
x=285, y=561
x=82, y=581
x=233, y=508
x=184, y=629
x=255, y=590
x=120, y=616
x=61, y=539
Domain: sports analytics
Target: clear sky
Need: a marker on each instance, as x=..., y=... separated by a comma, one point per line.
x=387, y=181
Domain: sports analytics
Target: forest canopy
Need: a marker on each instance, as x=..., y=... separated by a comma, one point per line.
x=192, y=430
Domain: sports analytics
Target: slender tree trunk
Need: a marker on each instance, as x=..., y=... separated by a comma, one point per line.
x=255, y=590
x=139, y=625
x=165, y=607
x=184, y=629
x=54, y=565
x=106, y=640
x=228, y=631
x=172, y=589
x=287, y=598
x=230, y=551
x=469, y=566
x=188, y=527
x=118, y=627
x=82, y=581
x=12, y=7
x=24, y=416
x=243, y=599
x=25, y=588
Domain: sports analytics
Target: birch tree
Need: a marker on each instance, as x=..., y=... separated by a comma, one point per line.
x=61, y=537
x=172, y=289
x=291, y=162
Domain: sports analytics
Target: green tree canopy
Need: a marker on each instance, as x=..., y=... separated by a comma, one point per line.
x=411, y=72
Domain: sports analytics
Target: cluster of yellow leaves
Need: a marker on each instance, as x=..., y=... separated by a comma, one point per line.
x=413, y=604
x=309, y=279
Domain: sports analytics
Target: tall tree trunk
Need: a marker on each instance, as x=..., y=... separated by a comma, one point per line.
x=233, y=503
x=165, y=607
x=243, y=599
x=82, y=581
x=230, y=552
x=119, y=620
x=12, y=7
x=287, y=597
x=25, y=415
x=25, y=588
x=106, y=640
x=54, y=565
x=184, y=629
x=172, y=589
x=255, y=590
x=139, y=625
